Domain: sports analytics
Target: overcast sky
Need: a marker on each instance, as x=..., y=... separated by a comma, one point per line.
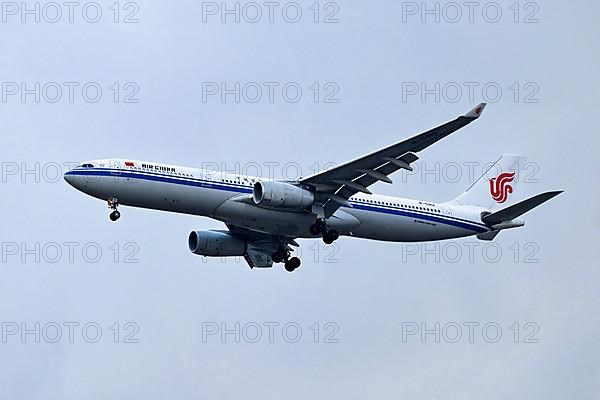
x=361, y=77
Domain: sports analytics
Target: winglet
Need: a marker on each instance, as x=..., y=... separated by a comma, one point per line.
x=476, y=112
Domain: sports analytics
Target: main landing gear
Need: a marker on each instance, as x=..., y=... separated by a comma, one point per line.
x=283, y=255
x=113, y=203
x=320, y=228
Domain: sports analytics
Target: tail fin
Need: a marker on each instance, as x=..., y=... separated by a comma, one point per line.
x=494, y=188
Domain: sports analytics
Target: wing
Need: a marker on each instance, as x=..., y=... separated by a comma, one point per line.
x=261, y=246
x=335, y=186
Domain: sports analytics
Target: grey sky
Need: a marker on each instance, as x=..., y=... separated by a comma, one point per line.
x=546, y=274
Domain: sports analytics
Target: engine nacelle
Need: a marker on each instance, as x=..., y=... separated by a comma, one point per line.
x=216, y=243
x=281, y=194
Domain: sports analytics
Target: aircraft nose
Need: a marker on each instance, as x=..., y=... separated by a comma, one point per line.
x=69, y=178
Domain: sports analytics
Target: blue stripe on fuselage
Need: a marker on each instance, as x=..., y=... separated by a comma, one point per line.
x=153, y=176
x=411, y=214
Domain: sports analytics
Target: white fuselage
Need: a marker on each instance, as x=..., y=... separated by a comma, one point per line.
x=221, y=196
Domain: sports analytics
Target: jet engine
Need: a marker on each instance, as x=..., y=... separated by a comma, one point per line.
x=281, y=194
x=216, y=243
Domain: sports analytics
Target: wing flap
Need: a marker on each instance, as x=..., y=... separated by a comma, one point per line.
x=257, y=258
x=386, y=168
x=261, y=246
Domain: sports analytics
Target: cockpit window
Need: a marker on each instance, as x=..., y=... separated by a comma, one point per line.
x=87, y=165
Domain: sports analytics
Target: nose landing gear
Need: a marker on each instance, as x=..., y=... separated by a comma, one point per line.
x=115, y=215
x=113, y=203
x=320, y=228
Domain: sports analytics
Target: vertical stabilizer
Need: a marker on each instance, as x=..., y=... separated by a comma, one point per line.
x=496, y=188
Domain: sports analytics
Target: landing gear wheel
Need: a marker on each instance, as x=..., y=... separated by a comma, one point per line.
x=318, y=228
x=330, y=236
x=314, y=230
x=292, y=264
x=115, y=215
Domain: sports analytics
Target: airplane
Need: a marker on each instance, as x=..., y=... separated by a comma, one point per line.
x=264, y=217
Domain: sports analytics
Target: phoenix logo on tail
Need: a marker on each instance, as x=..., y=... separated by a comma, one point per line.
x=500, y=188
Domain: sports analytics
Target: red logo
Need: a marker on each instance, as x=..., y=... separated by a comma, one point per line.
x=500, y=188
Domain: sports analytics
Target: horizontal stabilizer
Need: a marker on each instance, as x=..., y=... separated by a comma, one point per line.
x=487, y=235
x=518, y=209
